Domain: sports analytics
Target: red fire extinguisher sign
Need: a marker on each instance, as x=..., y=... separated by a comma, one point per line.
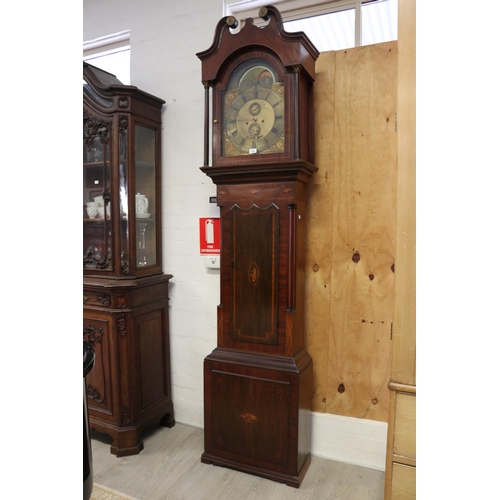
x=210, y=236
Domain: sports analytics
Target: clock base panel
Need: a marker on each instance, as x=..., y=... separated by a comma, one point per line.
x=258, y=414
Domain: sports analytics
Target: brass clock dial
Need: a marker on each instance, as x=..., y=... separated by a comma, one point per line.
x=254, y=110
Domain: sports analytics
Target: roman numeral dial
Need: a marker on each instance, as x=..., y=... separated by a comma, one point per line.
x=254, y=114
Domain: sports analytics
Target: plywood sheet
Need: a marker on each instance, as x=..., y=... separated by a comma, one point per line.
x=352, y=231
x=319, y=226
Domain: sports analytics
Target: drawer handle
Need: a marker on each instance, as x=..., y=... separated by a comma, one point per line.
x=85, y=298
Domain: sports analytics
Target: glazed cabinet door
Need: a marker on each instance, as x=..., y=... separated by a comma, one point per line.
x=121, y=178
x=145, y=197
x=97, y=173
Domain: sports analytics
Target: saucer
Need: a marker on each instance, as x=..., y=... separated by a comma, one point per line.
x=143, y=216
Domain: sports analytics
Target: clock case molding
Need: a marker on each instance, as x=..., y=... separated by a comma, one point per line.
x=258, y=381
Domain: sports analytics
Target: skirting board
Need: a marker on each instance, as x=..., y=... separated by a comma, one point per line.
x=351, y=440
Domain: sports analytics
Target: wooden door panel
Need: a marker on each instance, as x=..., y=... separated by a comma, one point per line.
x=254, y=274
x=250, y=416
x=150, y=334
x=98, y=382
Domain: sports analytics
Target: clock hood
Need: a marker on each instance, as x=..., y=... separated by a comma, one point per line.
x=291, y=48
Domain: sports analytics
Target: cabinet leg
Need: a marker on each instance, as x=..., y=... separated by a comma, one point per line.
x=127, y=443
x=168, y=419
x=125, y=452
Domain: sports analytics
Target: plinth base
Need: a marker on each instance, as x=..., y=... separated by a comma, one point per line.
x=258, y=413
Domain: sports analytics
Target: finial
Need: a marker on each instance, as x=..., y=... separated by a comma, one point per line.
x=264, y=13
x=232, y=22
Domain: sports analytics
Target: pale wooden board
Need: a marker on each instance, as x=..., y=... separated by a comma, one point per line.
x=352, y=210
x=405, y=425
x=404, y=484
x=404, y=330
x=319, y=224
x=401, y=437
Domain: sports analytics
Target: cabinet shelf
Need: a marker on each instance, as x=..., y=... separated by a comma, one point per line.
x=93, y=164
x=140, y=164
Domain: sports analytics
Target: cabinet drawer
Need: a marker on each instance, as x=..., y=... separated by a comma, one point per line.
x=405, y=425
x=97, y=298
x=403, y=482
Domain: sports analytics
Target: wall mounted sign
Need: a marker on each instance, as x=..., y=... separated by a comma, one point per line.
x=209, y=236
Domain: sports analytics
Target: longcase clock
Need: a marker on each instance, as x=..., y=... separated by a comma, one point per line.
x=258, y=381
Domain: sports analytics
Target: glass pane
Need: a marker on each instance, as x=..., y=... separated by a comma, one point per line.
x=332, y=31
x=123, y=195
x=145, y=202
x=96, y=210
x=379, y=22
x=254, y=110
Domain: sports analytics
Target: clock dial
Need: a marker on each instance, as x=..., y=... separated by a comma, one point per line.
x=254, y=111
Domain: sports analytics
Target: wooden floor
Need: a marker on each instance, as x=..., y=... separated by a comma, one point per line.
x=169, y=468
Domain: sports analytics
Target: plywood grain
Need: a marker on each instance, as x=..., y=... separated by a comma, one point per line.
x=352, y=231
x=319, y=226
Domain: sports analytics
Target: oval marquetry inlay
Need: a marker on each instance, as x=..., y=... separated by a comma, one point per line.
x=249, y=418
x=253, y=273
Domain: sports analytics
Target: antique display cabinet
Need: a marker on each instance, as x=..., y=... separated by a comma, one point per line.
x=258, y=381
x=125, y=292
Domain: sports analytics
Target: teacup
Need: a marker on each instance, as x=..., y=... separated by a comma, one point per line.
x=91, y=209
x=100, y=211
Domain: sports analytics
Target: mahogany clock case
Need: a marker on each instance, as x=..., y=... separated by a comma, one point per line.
x=258, y=381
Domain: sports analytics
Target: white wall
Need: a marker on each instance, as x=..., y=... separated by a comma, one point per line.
x=165, y=37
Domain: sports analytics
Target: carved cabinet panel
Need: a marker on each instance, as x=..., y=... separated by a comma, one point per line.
x=129, y=387
x=99, y=387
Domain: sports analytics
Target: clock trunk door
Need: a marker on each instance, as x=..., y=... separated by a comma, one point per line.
x=254, y=274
